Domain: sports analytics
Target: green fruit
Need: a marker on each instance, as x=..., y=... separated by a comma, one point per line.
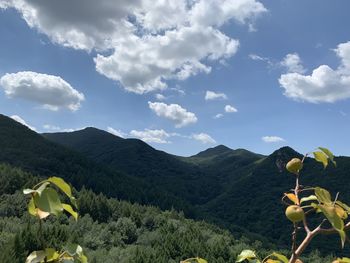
x=295, y=213
x=294, y=165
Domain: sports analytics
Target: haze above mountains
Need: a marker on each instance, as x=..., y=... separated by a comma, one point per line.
x=236, y=189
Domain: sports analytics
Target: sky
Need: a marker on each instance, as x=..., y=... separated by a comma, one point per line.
x=181, y=75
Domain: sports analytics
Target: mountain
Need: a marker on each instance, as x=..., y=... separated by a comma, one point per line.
x=24, y=148
x=245, y=188
x=236, y=189
x=183, y=177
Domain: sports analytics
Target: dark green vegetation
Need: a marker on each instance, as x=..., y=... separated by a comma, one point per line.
x=236, y=189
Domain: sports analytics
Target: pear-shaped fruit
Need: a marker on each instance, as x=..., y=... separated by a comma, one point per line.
x=294, y=165
x=295, y=213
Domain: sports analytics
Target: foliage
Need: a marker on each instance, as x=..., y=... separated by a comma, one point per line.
x=45, y=201
x=301, y=204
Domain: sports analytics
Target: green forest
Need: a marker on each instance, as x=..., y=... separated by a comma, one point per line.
x=212, y=205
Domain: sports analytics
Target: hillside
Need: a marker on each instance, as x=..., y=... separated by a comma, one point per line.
x=248, y=187
x=23, y=148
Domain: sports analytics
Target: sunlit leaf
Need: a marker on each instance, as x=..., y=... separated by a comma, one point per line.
x=329, y=154
x=280, y=257
x=70, y=210
x=344, y=206
x=309, y=198
x=246, y=255
x=343, y=260
x=51, y=254
x=322, y=158
x=292, y=197
x=32, y=208
x=42, y=214
x=323, y=196
x=62, y=185
x=342, y=235
x=48, y=201
x=332, y=216
x=36, y=257
x=341, y=212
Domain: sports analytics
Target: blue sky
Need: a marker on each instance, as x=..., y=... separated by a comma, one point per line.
x=282, y=67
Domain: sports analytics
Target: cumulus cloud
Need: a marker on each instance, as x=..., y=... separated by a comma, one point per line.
x=211, y=95
x=293, y=63
x=23, y=122
x=272, y=139
x=151, y=136
x=230, y=109
x=147, y=42
x=174, y=112
x=324, y=84
x=52, y=92
x=203, y=138
x=115, y=132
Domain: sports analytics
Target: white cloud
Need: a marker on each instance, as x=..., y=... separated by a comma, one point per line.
x=151, y=136
x=23, y=122
x=211, y=95
x=148, y=42
x=230, y=109
x=160, y=96
x=50, y=127
x=324, y=84
x=115, y=132
x=293, y=63
x=174, y=112
x=218, y=116
x=203, y=138
x=272, y=139
x=51, y=92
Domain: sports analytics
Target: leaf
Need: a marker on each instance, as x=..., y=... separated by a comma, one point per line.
x=36, y=257
x=344, y=206
x=342, y=235
x=32, y=208
x=51, y=254
x=343, y=260
x=280, y=257
x=332, y=216
x=42, y=214
x=341, y=212
x=61, y=184
x=322, y=158
x=39, y=190
x=292, y=197
x=246, y=255
x=309, y=198
x=70, y=210
x=329, y=154
x=323, y=196
x=49, y=202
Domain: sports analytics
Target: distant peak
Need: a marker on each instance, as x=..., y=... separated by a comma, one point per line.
x=214, y=151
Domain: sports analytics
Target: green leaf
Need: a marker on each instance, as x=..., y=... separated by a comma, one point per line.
x=342, y=235
x=329, y=154
x=70, y=210
x=246, y=255
x=343, y=260
x=36, y=257
x=280, y=257
x=61, y=184
x=344, y=206
x=39, y=190
x=323, y=196
x=322, y=158
x=332, y=216
x=51, y=254
x=31, y=207
x=48, y=201
x=309, y=198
